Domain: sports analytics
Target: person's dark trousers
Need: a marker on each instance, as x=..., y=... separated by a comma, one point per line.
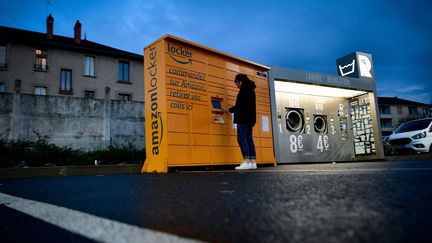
x=245, y=141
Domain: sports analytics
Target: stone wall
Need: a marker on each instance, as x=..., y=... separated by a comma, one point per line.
x=79, y=123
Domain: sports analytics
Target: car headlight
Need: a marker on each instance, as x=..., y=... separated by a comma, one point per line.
x=420, y=135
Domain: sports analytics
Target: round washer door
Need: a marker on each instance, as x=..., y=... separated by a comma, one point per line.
x=294, y=120
x=320, y=124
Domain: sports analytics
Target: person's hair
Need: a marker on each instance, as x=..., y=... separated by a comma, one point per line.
x=241, y=77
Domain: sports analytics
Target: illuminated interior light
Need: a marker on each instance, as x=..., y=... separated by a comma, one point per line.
x=316, y=90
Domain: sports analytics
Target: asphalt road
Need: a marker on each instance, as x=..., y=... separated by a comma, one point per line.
x=349, y=202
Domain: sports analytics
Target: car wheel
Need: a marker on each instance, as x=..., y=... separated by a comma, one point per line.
x=430, y=148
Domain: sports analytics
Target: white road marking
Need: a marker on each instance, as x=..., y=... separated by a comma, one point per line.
x=87, y=225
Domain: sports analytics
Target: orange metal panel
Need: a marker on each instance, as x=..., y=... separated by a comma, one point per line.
x=233, y=141
x=175, y=138
x=178, y=155
x=218, y=90
x=266, y=142
x=155, y=109
x=216, y=128
x=200, y=119
x=200, y=155
x=177, y=122
x=216, y=81
x=219, y=155
x=249, y=71
x=200, y=139
x=267, y=155
x=216, y=71
x=219, y=140
x=235, y=155
x=216, y=61
x=230, y=76
x=232, y=66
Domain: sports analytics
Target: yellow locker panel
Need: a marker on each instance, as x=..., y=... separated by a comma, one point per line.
x=200, y=139
x=235, y=155
x=267, y=154
x=177, y=122
x=175, y=138
x=216, y=61
x=216, y=128
x=266, y=142
x=232, y=66
x=216, y=71
x=178, y=155
x=219, y=155
x=219, y=140
x=200, y=119
x=200, y=155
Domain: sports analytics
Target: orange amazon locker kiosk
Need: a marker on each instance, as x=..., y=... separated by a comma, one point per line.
x=187, y=87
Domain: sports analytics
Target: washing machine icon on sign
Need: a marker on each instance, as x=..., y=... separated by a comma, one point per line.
x=294, y=119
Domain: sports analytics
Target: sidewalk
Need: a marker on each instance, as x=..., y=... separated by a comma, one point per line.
x=55, y=171
x=8, y=173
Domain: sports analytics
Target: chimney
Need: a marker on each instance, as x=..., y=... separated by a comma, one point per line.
x=77, y=31
x=50, y=26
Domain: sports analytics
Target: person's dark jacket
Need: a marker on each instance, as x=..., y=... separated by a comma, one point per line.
x=245, y=106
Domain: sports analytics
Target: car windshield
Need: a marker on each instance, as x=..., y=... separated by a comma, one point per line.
x=413, y=126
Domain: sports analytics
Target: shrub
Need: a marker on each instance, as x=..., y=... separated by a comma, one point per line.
x=388, y=149
x=119, y=154
x=17, y=153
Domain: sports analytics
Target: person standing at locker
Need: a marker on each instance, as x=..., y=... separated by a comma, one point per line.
x=245, y=118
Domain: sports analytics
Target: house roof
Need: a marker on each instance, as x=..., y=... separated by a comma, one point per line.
x=398, y=101
x=41, y=40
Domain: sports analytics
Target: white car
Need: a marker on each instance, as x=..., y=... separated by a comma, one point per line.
x=415, y=135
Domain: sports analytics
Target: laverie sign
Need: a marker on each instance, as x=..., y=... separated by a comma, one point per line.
x=356, y=65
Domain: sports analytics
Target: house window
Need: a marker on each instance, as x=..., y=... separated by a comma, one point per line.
x=2, y=87
x=385, y=110
x=3, y=64
x=41, y=60
x=123, y=71
x=125, y=97
x=66, y=81
x=89, y=94
x=386, y=123
x=399, y=110
x=40, y=90
x=412, y=110
x=425, y=111
x=89, y=66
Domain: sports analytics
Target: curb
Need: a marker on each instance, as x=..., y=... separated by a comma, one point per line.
x=89, y=170
x=58, y=171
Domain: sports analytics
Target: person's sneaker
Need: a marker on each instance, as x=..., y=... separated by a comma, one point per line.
x=253, y=164
x=245, y=165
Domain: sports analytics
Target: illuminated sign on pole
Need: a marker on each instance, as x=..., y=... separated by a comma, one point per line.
x=356, y=65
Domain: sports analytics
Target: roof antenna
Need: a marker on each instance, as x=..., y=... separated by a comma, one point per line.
x=85, y=35
x=48, y=4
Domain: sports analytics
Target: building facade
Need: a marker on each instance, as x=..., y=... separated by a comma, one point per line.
x=54, y=65
x=394, y=111
x=73, y=91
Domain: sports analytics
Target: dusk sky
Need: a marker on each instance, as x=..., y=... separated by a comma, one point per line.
x=307, y=35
